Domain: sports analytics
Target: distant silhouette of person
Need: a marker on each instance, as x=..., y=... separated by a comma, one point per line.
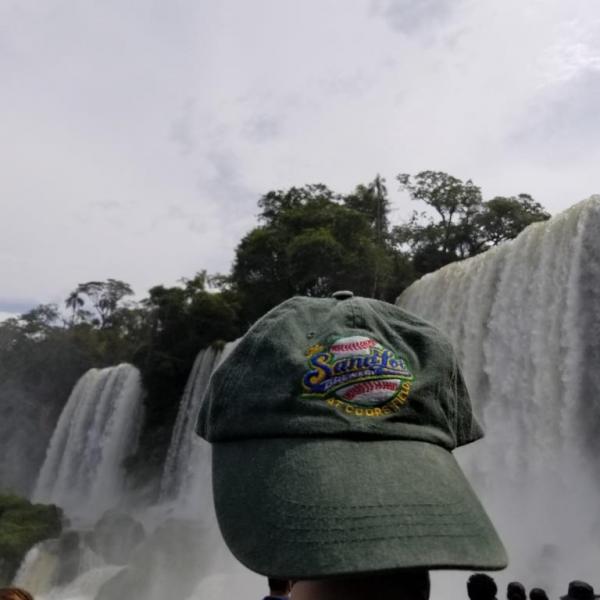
x=580, y=590
x=14, y=593
x=537, y=594
x=278, y=589
x=481, y=587
x=516, y=591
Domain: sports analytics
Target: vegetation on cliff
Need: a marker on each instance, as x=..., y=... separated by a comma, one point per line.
x=23, y=525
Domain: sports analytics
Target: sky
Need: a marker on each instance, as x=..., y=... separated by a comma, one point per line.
x=136, y=137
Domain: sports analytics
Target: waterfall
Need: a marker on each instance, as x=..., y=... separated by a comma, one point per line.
x=51, y=561
x=97, y=429
x=38, y=569
x=524, y=318
x=186, y=476
x=176, y=468
x=183, y=554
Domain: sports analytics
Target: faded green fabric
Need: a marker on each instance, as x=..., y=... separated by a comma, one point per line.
x=332, y=423
x=257, y=392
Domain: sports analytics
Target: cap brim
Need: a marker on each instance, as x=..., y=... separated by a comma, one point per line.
x=308, y=508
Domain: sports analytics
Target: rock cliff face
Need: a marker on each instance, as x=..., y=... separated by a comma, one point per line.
x=115, y=536
x=23, y=525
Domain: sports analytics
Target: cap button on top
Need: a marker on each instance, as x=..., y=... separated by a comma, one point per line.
x=342, y=295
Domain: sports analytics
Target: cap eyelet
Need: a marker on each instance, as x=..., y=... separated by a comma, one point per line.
x=342, y=294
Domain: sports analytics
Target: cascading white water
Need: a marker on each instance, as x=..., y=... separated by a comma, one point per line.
x=186, y=477
x=97, y=430
x=176, y=468
x=525, y=320
x=184, y=554
x=186, y=493
x=38, y=569
x=44, y=564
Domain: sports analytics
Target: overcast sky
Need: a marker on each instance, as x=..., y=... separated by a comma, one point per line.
x=137, y=136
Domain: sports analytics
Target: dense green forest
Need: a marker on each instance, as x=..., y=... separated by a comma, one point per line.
x=309, y=240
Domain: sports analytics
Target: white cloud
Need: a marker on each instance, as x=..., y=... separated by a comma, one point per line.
x=141, y=136
x=409, y=17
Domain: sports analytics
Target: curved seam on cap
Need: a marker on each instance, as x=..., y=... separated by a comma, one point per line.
x=454, y=384
x=353, y=310
x=371, y=528
x=423, y=521
x=363, y=506
x=320, y=541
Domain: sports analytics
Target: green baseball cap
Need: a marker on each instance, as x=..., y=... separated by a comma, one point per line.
x=332, y=424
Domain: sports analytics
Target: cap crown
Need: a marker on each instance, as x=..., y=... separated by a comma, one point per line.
x=345, y=367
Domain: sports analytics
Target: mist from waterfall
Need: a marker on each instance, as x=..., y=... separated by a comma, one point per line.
x=97, y=429
x=525, y=320
x=182, y=553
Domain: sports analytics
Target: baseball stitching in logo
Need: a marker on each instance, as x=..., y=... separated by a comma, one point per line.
x=358, y=376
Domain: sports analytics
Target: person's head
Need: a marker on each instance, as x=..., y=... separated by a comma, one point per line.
x=481, y=587
x=332, y=425
x=402, y=585
x=580, y=590
x=537, y=594
x=516, y=591
x=279, y=587
x=14, y=593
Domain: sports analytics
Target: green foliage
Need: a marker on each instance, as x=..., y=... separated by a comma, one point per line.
x=22, y=525
x=504, y=218
x=102, y=296
x=313, y=242
x=371, y=200
x=460, y=224
x=179, y=322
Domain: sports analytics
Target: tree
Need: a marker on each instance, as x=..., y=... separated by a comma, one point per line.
x=312, y=241
x=459, y=223
x=103, y=296
x=40, y=321
x=371, y=200
x=75, y=302
x=442, y=238
x=504, y=218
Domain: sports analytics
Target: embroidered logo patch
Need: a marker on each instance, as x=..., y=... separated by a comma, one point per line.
x=357, y=375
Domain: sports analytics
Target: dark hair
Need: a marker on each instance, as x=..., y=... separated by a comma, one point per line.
x=278, y=585
x=14, y=594
x=537, y=594
x=516, y=591
x=481, y=587
x=413, y=583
